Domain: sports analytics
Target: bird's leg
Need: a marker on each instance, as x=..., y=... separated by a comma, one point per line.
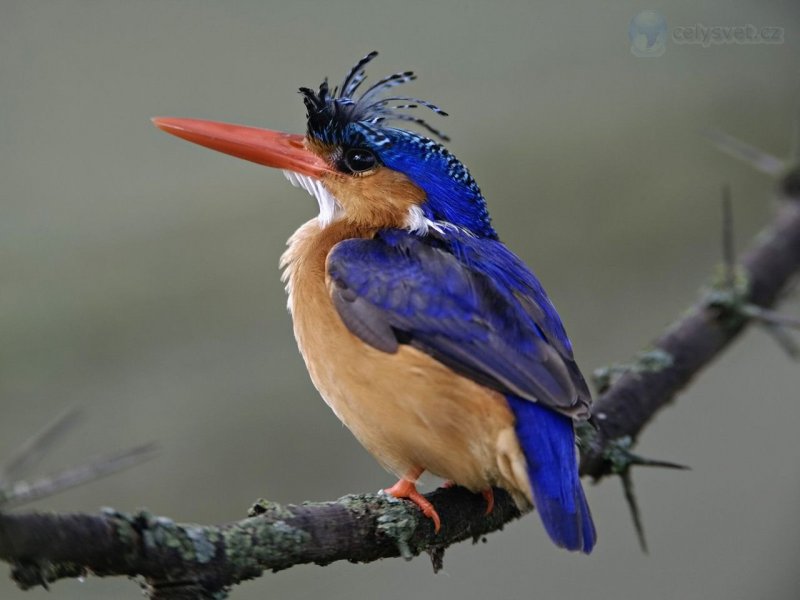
x=406, y=488
x=488, y=495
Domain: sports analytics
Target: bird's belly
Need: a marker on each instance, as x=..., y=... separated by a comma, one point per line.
x=409, y=410
x=406, y=408
x=411, y=414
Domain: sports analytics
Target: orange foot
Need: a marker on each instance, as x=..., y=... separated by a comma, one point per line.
x=488, y=495
x=406, y=488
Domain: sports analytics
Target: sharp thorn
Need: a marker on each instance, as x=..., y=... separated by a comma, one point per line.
x=22, y=492
x=37, y=446
x=770, y=317
x=794, y=149
x=641, y=461
x=728, y=248
x=630, y=499
x=783, y=339
x=756, y=158
x=618, y=453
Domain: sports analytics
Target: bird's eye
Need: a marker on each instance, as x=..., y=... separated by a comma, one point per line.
x=358, y=160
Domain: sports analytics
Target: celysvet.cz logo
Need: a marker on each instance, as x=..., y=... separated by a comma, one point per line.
x=648, y=34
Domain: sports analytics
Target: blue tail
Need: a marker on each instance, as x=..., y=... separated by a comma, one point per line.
x=547, y=439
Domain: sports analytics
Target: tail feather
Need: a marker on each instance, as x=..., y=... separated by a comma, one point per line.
x=547, y=439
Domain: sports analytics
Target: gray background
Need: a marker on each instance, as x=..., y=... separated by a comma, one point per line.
x=139, y=274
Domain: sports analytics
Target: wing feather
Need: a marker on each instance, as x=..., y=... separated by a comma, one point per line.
x=468, y=302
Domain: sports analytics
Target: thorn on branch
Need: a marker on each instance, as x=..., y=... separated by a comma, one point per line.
x=15, y=491
x=730, y=287
x=770, y=317
x=633, y=505
x=741, y=150
x=784, y=339
x=37, y=446
x=618, y=454
x=730, y=290
x=728, y=247
x=622, y=460
x=788, y=170
x=22, y=492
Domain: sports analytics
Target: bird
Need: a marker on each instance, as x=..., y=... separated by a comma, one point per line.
x=431, y=340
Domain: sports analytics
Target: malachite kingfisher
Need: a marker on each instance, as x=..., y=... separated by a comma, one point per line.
x=431, y=341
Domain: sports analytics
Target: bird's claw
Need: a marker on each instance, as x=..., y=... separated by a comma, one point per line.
x=407, y=490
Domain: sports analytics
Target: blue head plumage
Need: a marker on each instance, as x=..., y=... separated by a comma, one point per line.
x=356, y=125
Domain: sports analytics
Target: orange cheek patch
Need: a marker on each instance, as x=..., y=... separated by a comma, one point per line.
x=381, y=199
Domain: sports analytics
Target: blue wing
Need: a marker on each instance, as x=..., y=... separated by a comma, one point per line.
x=469, y=302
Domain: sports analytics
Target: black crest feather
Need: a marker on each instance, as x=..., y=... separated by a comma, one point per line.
x=331, y=112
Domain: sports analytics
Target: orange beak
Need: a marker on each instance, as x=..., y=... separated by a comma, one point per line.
x=270, y=148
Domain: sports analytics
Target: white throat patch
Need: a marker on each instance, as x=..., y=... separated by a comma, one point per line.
x=417, y=222
x=329, y=208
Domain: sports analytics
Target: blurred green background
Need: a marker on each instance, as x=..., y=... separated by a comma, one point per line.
x=139, y=280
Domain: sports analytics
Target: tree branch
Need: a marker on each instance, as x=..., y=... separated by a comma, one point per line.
x=196, y=561
x=694, y=340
